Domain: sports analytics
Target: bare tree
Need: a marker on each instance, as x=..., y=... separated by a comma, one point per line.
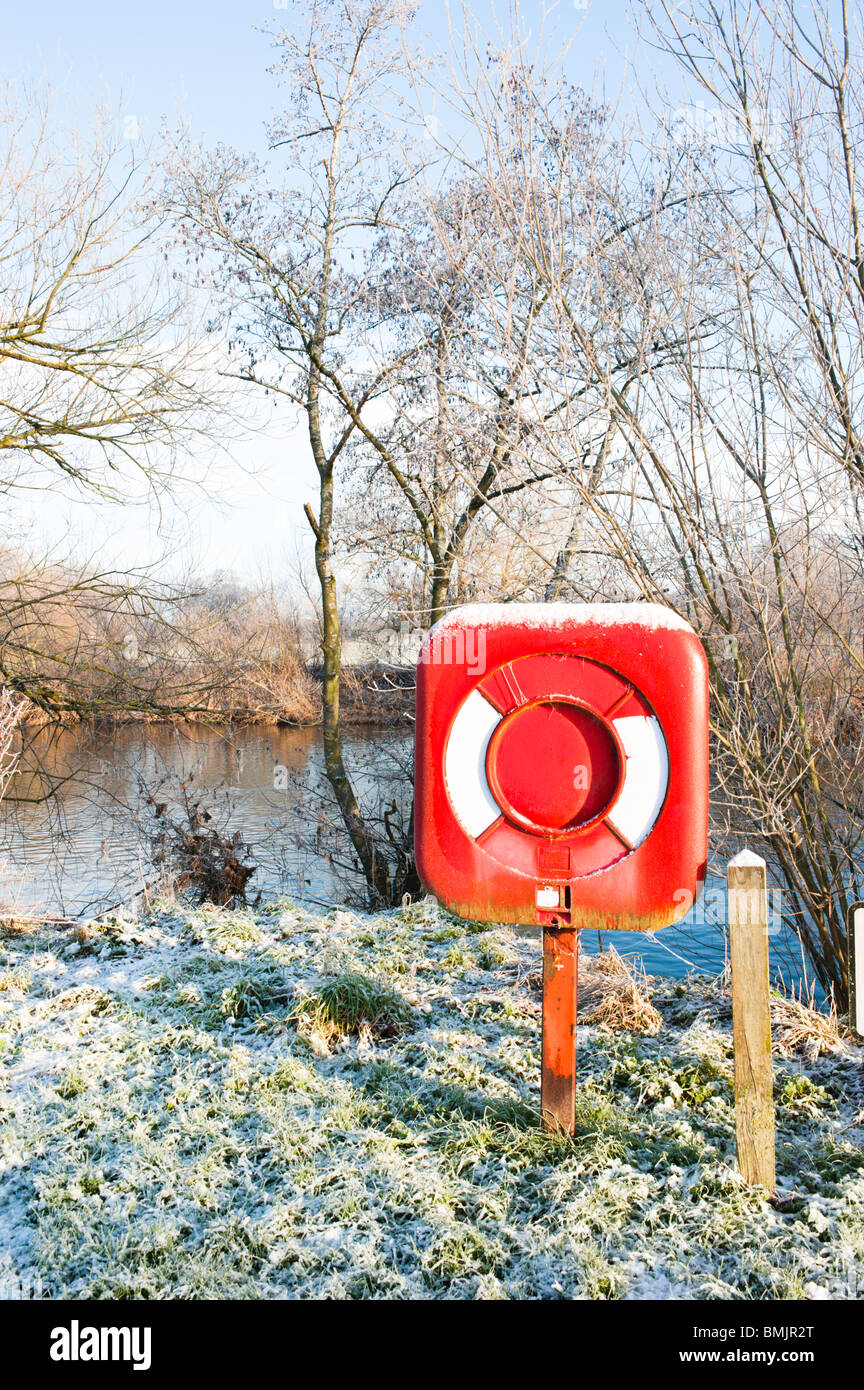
x=410, y=315
x=293, y=263
x=101, y=380
x=733, y=525
x=99, y=377
x=742, y=503
x=781, y=87
x=500, y=396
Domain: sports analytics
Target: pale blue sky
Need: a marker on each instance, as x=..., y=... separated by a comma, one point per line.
x=208, y=57
x=155, y=58
x=205, y=61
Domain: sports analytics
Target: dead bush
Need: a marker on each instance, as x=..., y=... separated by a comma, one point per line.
x=799, y=1027
x=191, y=844
x=613, y=995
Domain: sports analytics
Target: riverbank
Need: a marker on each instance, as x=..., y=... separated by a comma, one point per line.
x=207, y=1103
x=375, y=695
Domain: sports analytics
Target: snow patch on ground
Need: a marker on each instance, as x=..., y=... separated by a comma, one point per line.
x=175, y=1120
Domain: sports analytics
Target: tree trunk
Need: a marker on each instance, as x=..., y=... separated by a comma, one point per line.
x=373, y=864
x=441, y=570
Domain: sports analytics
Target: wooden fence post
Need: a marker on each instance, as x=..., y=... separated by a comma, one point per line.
x=751, y=1018
x=855, y=966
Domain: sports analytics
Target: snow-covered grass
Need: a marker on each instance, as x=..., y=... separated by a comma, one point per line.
x=267, y=1104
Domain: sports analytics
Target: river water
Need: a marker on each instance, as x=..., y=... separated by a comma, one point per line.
x=89, y=848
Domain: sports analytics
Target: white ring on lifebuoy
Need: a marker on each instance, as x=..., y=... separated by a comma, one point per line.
x=646, y=777
x=465, y=765
x=632, y=814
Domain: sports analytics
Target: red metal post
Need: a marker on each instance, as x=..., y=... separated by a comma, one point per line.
x=558, y=1077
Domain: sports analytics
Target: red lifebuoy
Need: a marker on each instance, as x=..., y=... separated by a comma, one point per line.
x=561, y=764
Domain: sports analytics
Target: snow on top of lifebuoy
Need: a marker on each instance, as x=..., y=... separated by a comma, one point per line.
x=653, y=616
